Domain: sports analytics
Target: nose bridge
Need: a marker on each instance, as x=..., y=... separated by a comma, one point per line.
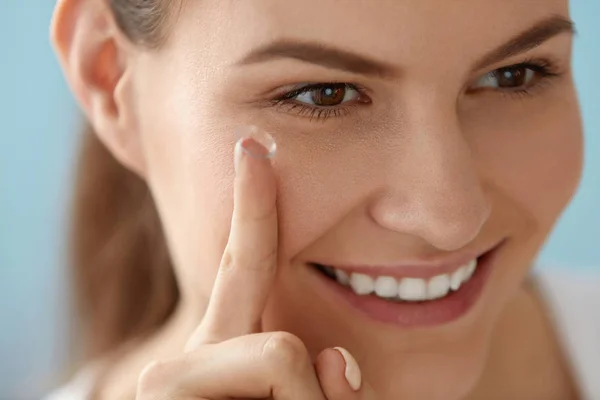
x=433, y=189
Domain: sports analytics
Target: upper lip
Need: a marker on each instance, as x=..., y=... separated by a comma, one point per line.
x=418, y=268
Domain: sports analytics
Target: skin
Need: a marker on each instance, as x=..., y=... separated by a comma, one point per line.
x=427, y=168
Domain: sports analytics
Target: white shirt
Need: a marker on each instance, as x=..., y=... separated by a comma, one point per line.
x=80, y=388
x=574, y=301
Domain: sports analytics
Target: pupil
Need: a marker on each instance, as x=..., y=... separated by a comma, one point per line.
x=512, y=77
x=329, y=96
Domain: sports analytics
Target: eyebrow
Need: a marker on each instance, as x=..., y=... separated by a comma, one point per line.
x=320, y=54
x=335, y=58
x=528, y=40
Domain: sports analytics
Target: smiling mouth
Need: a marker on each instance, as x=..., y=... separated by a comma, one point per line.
x=407, y=289
x=410, y=297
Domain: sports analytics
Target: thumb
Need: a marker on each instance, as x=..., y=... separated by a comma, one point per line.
x=340, y=376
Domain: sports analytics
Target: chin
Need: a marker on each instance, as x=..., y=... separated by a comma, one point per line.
x=446, y=370
x=438, y=357
x=447, y=374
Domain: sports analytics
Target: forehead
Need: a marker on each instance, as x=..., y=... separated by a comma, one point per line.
x=392, y=30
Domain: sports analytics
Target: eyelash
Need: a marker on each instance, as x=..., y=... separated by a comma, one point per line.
x=315, y=112
x=544, y=68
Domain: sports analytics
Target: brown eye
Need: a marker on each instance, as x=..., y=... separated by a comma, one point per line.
x=515, y=77
x=328, y=95
x=512, y=77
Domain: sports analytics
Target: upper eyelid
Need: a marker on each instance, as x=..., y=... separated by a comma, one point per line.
x=316, y=112
x=547, y=61
x=549, y=65
x=306, y=87
x=540, y=84
x=288, y=96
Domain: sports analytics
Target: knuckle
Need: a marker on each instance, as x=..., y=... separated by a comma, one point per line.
x=151, y=381
x=248, y=259
x=204, y=334
x=156, y=381
x=264, y=261
x=259, y=214
x=266, y=216
x=285, y=350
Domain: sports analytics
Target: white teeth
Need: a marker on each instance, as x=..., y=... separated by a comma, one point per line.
x=386, y=286
x=471, y=269
x=409, y=289
x=362, y=284
x=342, y=277
x=412, y=289
x=438, y=286
x=458, y=277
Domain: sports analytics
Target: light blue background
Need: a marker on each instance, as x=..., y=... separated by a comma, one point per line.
x=38, y=124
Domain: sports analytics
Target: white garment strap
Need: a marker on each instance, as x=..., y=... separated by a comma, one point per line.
x=574, y=300
x=80, y=388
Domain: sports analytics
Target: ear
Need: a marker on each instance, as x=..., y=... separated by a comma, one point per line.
x=96, y=60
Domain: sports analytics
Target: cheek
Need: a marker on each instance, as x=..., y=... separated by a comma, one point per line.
x=530, y=153
x=534, y=154
x=317, y=190
x=189, y=157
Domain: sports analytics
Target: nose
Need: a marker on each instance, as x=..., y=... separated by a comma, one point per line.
x=432, y=187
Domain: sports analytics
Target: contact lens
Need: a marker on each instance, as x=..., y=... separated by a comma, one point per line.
x=261, y=145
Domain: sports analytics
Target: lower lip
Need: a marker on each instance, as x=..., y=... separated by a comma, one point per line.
x=417, y=314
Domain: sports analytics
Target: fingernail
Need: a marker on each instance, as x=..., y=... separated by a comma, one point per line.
x=352, y=372
x=256, y=142
x=248, y=147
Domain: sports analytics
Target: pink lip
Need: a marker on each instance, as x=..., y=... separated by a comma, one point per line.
x=414, y=314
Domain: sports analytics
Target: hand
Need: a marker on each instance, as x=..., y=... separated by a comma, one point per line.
x=228, y=356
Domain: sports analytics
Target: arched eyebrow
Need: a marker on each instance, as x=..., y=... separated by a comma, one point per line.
x=528, y=40
x=319, y=54
x=341, y=59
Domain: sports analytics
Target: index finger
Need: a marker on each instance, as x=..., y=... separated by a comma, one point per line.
x=248, y=266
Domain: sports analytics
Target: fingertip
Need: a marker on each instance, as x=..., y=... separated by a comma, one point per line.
x=255, y=178
x=256, y=149
x=328, y=361
x=256, y=142
x=254, y=146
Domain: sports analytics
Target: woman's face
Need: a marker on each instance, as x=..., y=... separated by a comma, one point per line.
x=412, y=135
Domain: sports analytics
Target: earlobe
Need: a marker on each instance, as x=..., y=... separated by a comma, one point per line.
x=93, y=54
